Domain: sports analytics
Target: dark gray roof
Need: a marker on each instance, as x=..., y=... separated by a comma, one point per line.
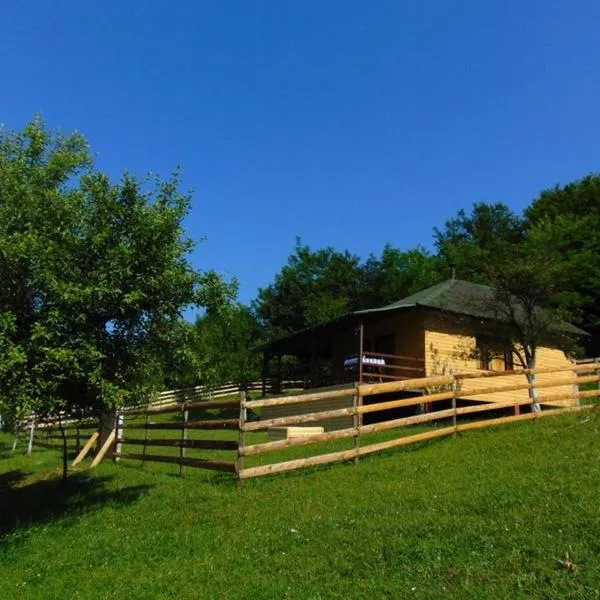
x=461, y=298
x=453, y=296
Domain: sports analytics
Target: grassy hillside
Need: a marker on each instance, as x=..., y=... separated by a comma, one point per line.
x=486, y=515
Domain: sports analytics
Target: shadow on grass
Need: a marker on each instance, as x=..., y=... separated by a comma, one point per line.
x=23, y=504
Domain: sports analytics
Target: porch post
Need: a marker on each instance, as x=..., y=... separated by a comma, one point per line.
x=360, y=350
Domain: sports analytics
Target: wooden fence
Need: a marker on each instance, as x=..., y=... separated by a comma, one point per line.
x=228, y=434
x=429, y=392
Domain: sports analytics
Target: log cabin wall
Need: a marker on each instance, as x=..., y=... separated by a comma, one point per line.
x=450, y=345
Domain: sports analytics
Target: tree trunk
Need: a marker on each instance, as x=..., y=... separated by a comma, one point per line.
x=63, y=433
x=533, y=392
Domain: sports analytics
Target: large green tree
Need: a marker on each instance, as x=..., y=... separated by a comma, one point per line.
x=573, y=213
x=95, y=276
x=317, y=285
x=473, y=243
x=396, y=274
x=314, y=286
x=530, y=273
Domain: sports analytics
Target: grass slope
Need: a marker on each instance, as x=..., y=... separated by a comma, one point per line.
x=486, y=515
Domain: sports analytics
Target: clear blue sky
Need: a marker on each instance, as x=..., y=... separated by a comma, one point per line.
x=347, y=123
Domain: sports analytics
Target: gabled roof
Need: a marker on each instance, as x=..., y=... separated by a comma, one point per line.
x=452, y=296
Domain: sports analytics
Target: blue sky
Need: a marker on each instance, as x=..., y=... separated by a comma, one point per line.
x=350, y=124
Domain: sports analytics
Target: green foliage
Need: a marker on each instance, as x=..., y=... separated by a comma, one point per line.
x=572, y=212
x=314, y=286
x=95, y=276
x=397, y=274
x=532, y=275
x=218, y=348
x=475, y=243
x=318, y=285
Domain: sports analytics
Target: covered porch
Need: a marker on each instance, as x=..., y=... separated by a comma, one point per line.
x=356, y=348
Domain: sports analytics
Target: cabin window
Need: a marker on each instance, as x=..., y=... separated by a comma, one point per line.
x=493, y=360
x=484, y=352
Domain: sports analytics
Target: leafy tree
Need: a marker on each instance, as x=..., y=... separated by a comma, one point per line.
x=397, y=274
x=314, y=286
x=530, y=273
x=318, y=285
x=573, y=212
x=473, y=243
x=223, y=341
x=95, y=277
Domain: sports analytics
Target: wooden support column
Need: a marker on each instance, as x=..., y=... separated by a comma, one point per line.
x=184, y=436
x=361, y=332
x=119, y=429
x=239, y=466
x=31, y=433
x=357, y=419
x=146, y=434
x=454, y=413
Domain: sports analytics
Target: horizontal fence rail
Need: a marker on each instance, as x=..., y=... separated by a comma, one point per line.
x=238, y=435
x=427, y=393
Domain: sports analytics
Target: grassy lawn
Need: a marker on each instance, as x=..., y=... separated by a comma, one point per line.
x=485, y=515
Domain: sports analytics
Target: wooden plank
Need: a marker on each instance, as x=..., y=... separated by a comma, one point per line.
x=311, y=397
x=486, y=374
x=185, y=443
x=527, y=386
x=369, y=408
x=503, y=420
x=403, y=441
x=201, y=463
x=357, y=419
x=395, y=356
x=588, y=394
x=468, y=410
x=182, y=446
x=300, y=463
x=211, y=424
x=301, y=441
x=182, y=406
x=86, y=448
x=105, y=448
x=381, y=376
x=409, y=384
x=296, y=419
x=241, y=435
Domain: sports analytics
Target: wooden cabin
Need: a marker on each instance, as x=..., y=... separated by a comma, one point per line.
x=442, y=330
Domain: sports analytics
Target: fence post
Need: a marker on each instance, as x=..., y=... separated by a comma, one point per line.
x=184, y=436
x=31, y=432
x=146, y=434
x=78, y=439
x=119, y=434
x=357, y=419
x=597, y=384
x=454, y=409
x=239, y=467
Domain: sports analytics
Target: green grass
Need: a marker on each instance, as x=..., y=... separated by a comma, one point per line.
x=485, y=515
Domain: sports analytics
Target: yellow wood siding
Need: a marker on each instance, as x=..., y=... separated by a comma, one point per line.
x=450, y=347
